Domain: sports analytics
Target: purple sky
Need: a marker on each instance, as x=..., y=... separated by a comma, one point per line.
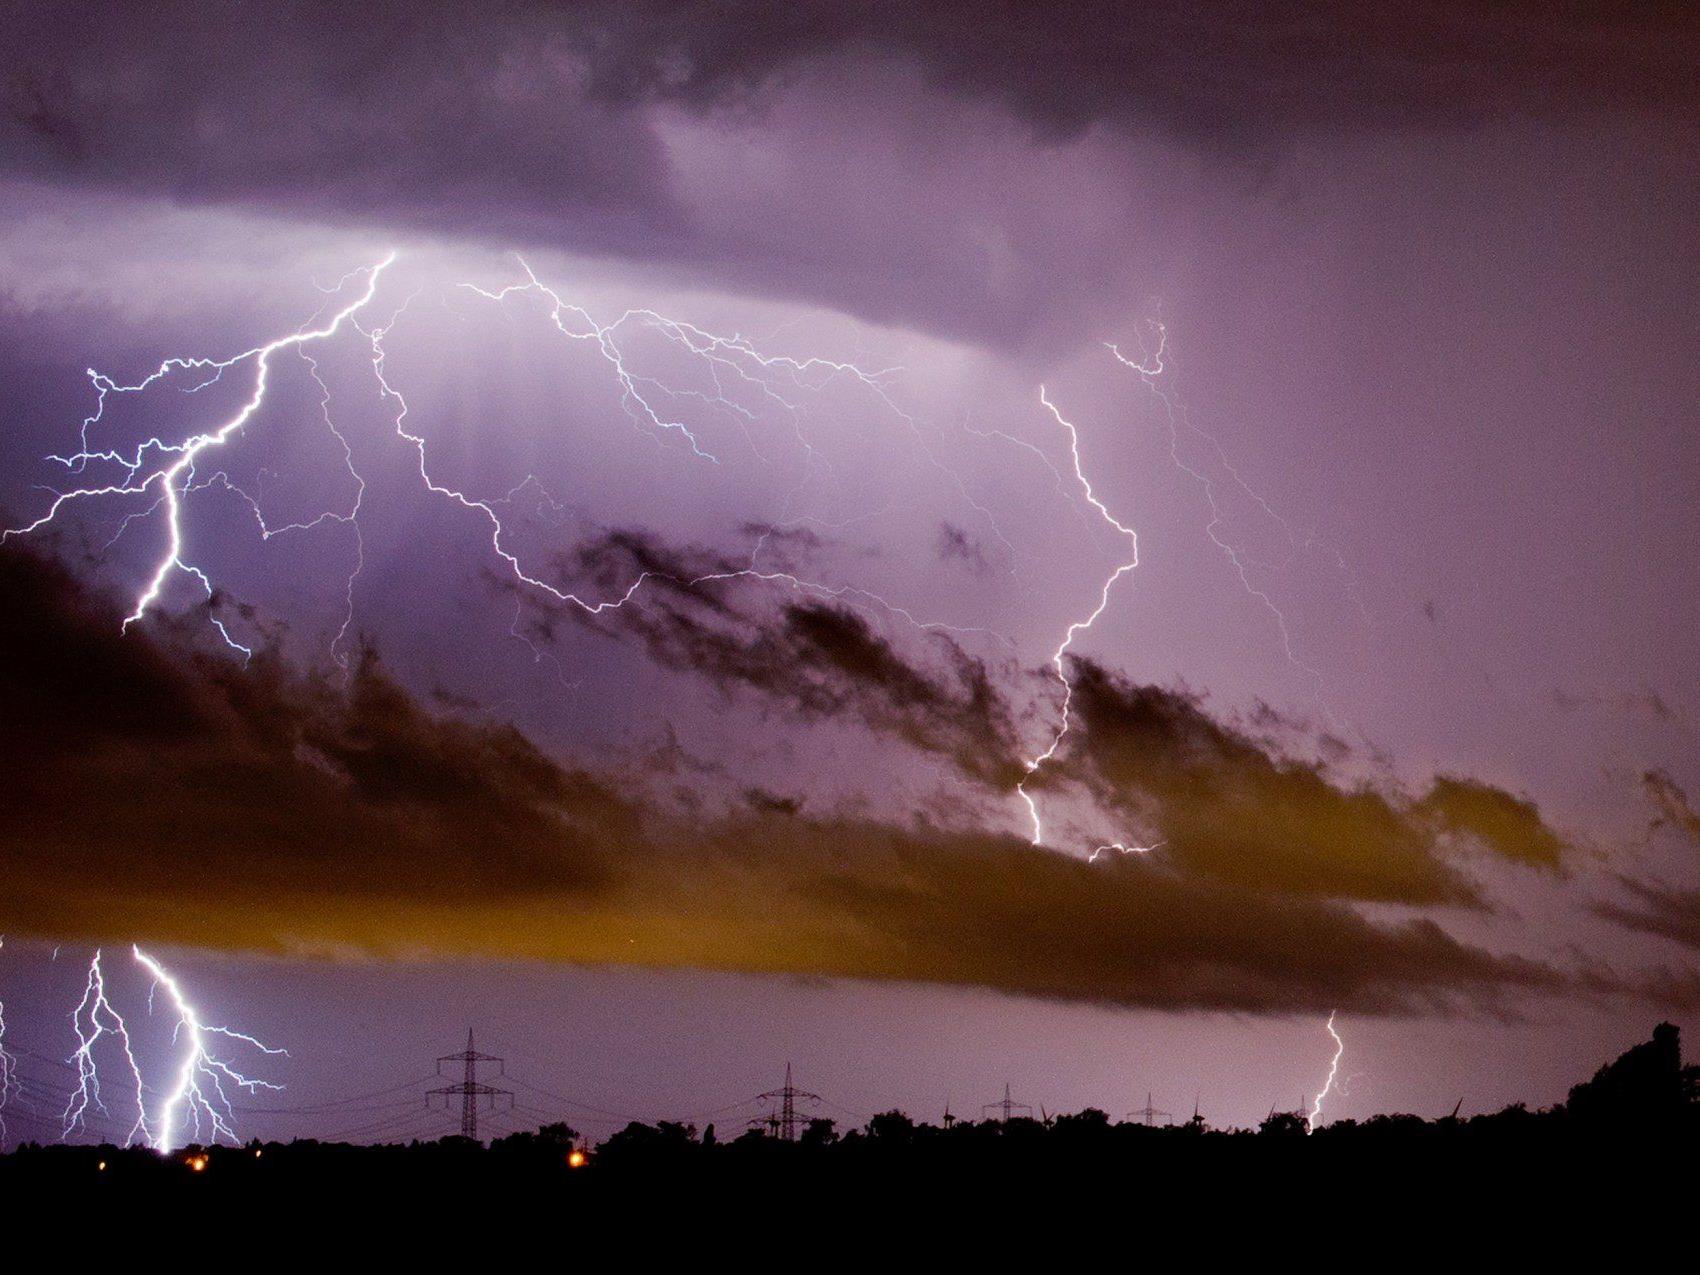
x=1402, y=685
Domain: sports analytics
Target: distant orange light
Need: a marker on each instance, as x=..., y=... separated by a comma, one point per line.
x=576, y=1159
x=258, y=1153
x=101, y=1166
x=198, y=1163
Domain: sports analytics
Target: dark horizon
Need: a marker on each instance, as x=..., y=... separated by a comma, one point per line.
x=1648, y=1092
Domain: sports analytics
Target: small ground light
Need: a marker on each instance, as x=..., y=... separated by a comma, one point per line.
x=198, y=1163
x=101, y=1166
x=576, y=1159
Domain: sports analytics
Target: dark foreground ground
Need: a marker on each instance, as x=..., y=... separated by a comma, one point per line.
x=1621, y=1156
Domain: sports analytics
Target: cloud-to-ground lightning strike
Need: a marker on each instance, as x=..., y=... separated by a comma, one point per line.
x=174, y=480
x=1079, y=626
x=198, y=1091
x=94, y=1018
x=8, y=1067
x=1328, y=1085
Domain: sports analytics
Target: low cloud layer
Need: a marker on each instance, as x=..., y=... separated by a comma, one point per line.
x=1662, y=910
x=817, y=654
x=160, y=793
x=1226, y=804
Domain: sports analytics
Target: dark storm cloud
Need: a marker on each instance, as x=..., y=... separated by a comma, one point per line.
x=1232, y=808
x=956, y=545
x=1509, y=825
x=528, y=124
x=158, y=793
x=1663, y=910
x=820, y=657
x=1227, y=802
x=179, y=765
x=395, y=114
x=521, y=110
x=1218, y=72
x=1671, y=801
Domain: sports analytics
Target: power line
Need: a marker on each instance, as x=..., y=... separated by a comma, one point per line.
x=333, y=1104
x=470, y=1089
x=782, y=1123
x=1006, y=1105
x=1149, y=1115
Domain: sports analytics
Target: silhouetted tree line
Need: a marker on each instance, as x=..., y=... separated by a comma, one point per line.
x=1646, y=1094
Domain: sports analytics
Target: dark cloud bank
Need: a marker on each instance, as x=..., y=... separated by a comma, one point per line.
x=532, y=100
x=158, y=792
x=534, y=124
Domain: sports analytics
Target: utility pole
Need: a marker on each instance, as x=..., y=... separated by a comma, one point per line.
x=470, y=1089
x=1149, y=1115
x=1006, y=1106
x=782, y=1123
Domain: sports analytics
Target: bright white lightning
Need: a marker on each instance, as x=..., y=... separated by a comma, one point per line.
x=8, y=1068
x=1119, y=848
x=169, y=467
x=198, y=1092
x=728, y=360
x=94, y=1018
x=1333, y=1071
x=1079, y=626
x=732, y=358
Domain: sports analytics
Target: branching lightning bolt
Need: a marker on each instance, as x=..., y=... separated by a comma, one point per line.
x=168, y=468
x=94, y=1018
x=1333, y=1071
x=1079, y=626
x=727, y=359
x=1150, y=370
x=198, y=1093
x=724, y=356
x=8, y=1068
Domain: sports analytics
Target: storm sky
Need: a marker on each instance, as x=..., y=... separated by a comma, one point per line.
x=852, y=350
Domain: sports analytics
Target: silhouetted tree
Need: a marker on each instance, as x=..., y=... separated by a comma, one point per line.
x=1090, y=1123
x=820, y=1132
x=666, y=1142
x=892, y=1128
x=1283, y=1124
x=1643, y=1087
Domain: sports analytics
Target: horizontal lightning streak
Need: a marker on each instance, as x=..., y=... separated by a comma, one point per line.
x=721, y=354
